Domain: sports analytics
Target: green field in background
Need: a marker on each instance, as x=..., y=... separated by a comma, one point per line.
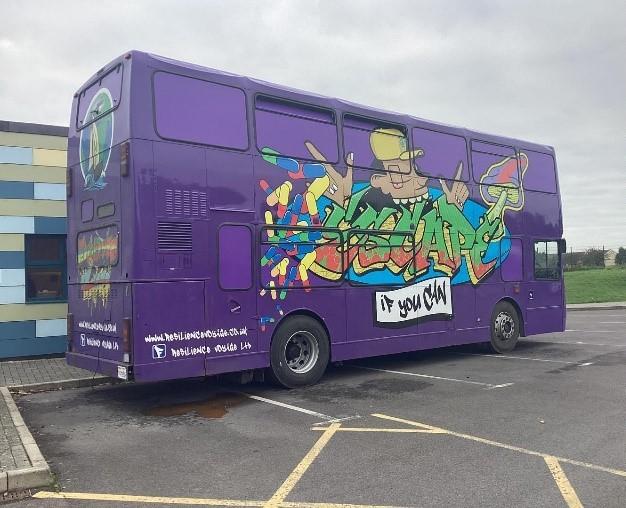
x=595, y=286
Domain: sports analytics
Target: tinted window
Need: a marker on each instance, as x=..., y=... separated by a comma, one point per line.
x=112, y=81
x=196, y=111
x=442, y=154
x=494, y=164
x=285, y=127
x=541, y=173
x=235, y=257
x=45, y=268
x=289, y=258
x=511, y=260
x=381, y=251
x=371, y=141
x=547, y=260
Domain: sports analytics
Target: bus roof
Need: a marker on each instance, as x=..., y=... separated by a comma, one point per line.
x=289, y=93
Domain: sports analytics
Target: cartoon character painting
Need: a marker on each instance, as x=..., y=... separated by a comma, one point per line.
x=396, y=229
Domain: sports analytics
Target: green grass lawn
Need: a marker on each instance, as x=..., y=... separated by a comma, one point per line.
x=603, y=285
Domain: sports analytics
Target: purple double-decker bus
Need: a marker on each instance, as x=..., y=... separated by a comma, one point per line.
x=219, y=224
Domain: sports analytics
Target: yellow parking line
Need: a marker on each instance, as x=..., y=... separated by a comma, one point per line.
x=125, y=498
x=372, y=429
x=567, y=491
x=288, y=485
x=469, y=437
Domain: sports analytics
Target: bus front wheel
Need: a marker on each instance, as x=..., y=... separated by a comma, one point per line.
x=505, y=328
x=300, y=352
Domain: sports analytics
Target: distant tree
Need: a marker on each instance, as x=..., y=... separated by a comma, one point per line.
x=620, y=258
x=593, y=257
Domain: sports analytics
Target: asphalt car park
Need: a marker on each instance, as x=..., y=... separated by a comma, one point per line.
x=542, y=426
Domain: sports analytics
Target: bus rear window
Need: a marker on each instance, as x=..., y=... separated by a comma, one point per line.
x=88, y=109
x=97, y=252
x=197, y=111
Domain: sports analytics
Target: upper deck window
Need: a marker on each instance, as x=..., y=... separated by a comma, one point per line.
x=290, y=128
x=442, y=154
x=541, y=172
x=495, y=165
x=197, y=111
x=372, y=141
x=89, y=110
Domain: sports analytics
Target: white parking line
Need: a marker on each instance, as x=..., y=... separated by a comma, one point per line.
x=507, y=357
x=612, y=322
x=577, y=342
x=322, y=416
x=590, y=331
x=428, y=376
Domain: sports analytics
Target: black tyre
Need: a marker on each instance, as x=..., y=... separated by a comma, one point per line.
x=300, y=352
x=505, y=328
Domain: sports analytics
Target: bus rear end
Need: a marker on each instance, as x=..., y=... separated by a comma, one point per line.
x=99, y=294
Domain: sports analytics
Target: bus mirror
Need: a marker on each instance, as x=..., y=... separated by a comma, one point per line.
x=562, y=246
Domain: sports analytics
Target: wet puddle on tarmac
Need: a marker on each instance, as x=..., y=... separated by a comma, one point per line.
x=215, y=407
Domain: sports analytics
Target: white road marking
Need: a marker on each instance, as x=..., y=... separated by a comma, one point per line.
x=428, y=376
x=577, y=342
x=321, y=416
x=509, y=357
x=585, y=364
x=591, y=331
x=612, y=322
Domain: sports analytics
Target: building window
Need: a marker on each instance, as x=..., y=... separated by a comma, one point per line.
x=45, y=268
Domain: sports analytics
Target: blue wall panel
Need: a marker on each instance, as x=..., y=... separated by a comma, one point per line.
x=17, y=330
x=16, y=155
x=51, y=225
x=17, y=190
x=12, y=348
x=11, y=259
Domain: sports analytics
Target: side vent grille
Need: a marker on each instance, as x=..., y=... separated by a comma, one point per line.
x=185, y=203
x=174, y=236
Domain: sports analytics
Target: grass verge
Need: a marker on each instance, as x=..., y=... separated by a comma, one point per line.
x=596, y=285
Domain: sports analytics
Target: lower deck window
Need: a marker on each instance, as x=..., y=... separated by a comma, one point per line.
x=547, y=261
x=45, y=268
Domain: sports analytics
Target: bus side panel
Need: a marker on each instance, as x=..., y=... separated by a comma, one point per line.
x=169, y=330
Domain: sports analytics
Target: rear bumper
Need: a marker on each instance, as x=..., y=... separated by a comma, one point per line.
x=100, y=365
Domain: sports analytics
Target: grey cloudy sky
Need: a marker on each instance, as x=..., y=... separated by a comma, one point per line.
x=552, y=72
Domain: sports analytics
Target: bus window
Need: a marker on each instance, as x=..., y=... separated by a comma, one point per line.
x=547, y=260
x=541, y=174
x=111, y=82
x=383, y=258
x=358, y=139
x=235, y=256
x=283, y=127
x=197, y=111
x=300, y=257
x=494, y=165
x=442, y=154
x=511, y=260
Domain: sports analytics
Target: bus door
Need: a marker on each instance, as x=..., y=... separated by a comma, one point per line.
x=231, y=295
x=545, y=289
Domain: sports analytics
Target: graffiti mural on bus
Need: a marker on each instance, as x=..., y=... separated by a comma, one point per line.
x=96, y=140
x=97, y=253
x=401, y=227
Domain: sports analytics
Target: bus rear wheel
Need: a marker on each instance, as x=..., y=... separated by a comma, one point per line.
x=505, y=328
x=300, y=352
